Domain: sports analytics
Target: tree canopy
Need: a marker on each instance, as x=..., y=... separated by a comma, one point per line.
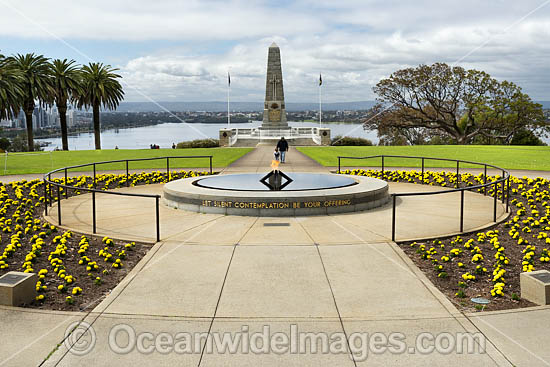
x=452, y=104
x=99, y=87
x=37, y=84
x=67, y=84
x=11, y=88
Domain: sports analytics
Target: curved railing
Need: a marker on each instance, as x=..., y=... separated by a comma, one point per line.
x=505, y=178
x=49, y=183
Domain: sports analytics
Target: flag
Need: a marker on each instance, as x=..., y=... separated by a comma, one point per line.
x=228, y=79
x=320, y=80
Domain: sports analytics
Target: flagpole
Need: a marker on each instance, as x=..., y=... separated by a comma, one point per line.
x=320, y=110
x=228, y=88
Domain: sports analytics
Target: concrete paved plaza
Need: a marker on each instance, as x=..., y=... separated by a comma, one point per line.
x=320, y=291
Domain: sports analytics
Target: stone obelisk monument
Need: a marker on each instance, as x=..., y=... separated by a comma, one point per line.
x=274, y=105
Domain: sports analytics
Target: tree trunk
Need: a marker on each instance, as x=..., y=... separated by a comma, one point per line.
x=97, y=130
x=63, y=122
x=461, y=139
x=29, y=109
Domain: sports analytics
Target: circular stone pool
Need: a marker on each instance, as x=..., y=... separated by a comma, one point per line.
x=253, y=182
x=305, y=194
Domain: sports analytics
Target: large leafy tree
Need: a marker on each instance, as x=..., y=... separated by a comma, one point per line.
x=100, y=87
x=36, y=83
x=67, y=85
x=453, y=103
x=11, y=92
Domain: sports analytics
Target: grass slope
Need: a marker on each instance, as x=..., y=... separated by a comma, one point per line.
x=41, y=162
x=510, y=157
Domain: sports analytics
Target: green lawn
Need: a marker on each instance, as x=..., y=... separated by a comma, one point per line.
x=510, y=157
x=42, y=162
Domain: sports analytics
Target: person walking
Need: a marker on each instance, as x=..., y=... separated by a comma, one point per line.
x=282, y=145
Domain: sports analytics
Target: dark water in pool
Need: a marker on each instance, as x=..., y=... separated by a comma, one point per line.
x=251, y=182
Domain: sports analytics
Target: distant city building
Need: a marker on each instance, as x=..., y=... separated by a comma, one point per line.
x=71, y=118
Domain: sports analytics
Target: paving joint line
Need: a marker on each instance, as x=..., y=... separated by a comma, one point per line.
x=217, y=304
x=336, y=305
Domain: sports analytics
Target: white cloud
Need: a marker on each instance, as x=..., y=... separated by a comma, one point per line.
x=151, y=20
x=354, y=43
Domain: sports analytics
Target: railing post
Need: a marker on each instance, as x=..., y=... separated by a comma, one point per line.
x=462, y=211
x=157, y=217
x=127, y=175
x=382, y=166
x=45, y=197
x=339, y=165
x=495, y=202
x=168, y=168
x=50, y=190
x=94, y=229
x=502, y=191
x=393, y=219
x=94, y=176
x=210, y=157
x=457, y=173
x=508, y=194
x=422, y=170
x=485, y=181
x=58, y=207
x=66, y=190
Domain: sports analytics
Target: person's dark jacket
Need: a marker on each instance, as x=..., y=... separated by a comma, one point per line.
x=282, y=145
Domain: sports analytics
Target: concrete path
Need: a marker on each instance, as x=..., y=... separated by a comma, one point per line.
x=237, y=290
x=259, y=160
x=316, y=291
x=27, y=336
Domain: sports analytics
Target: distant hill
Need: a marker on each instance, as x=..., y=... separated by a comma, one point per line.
x=248, y=106
x=236, y=106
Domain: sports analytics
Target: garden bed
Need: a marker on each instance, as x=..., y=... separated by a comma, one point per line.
x=487, y=263
x=75, y=271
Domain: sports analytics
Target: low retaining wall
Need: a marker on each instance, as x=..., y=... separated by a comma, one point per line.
x=367, y=194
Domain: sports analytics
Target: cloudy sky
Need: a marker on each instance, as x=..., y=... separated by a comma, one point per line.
x=181, y=50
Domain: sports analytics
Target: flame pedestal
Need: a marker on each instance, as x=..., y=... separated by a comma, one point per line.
x=302, y=194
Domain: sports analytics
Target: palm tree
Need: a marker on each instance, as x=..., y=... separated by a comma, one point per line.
x=36, y=85
x=99, y=87
x=11, y=92
x=66, y=84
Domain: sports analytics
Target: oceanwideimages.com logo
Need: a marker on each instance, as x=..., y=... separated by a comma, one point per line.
x=81, y=339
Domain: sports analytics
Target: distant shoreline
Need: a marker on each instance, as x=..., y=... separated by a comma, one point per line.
x=91, y=131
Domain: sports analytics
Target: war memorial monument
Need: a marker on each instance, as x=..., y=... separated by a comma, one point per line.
x=275, y=193
x=274, y=124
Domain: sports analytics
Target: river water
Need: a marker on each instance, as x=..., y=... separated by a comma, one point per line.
x=166, y=134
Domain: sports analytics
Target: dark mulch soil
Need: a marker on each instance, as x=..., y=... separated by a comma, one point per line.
x=521, y=241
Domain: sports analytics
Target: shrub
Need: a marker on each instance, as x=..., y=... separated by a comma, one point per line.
x=4, y=144
x=526, y=137
x=350, y=141
x=199, y=143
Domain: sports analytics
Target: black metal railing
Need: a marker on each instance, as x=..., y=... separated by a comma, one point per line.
x=504, y=180
x=48, y=184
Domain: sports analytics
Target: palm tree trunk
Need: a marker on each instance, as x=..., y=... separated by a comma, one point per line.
x=29, y=109
x=97, y=130
x=63, y=122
